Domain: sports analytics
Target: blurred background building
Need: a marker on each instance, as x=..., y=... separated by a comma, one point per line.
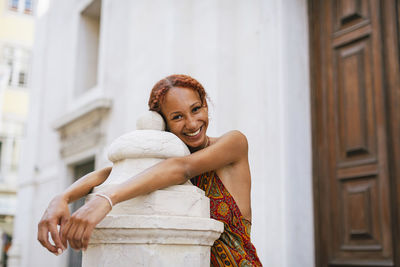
x=313, y=84
x=16, y=41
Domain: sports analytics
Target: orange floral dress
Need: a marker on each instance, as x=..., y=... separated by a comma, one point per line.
x=234, y=247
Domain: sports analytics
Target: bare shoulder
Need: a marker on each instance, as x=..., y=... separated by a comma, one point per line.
x=228, y=149
x=236, y=139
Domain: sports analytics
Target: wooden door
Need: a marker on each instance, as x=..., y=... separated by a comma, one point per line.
x=356, y=137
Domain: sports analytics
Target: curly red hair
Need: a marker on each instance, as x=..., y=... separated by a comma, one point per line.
x=159, y=90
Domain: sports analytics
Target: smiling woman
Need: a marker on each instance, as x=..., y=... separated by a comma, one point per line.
x=218, y=165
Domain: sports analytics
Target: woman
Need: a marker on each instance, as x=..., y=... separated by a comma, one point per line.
x=218, y=165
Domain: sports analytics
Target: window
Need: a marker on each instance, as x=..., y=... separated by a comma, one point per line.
x=17, y=60
x=8, y=58
x=1, y=151
x=88, y=51
x=28, y=6
x=1, y=161
x=10, y=67
x=14, y=155
x=14, y=4
x=21, y=6
x=21, y=79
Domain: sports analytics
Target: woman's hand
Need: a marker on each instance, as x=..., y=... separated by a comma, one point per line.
x=80, y=225
x=57, y=213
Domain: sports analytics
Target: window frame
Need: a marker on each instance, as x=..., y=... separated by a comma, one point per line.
x=21, y=6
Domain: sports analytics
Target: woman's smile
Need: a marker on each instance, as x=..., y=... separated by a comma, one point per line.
x=195, y=133
x=194, y=137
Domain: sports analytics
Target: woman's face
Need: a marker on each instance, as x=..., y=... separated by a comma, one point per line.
x=186, y=117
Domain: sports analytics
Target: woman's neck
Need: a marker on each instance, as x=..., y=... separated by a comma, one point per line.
x=206, y=144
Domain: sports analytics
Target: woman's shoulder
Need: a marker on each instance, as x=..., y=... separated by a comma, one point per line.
x=228, y=149
x=235, y=138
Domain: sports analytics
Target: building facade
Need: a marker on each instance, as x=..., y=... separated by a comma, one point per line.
x=16, y=41
x=92, y=79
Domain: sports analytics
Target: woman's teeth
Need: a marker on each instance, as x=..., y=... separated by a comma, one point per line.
x=193, y=134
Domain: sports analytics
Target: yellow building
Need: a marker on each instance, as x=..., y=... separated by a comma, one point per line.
x=16, y=40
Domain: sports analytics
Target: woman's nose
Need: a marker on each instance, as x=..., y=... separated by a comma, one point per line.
x=191, y=123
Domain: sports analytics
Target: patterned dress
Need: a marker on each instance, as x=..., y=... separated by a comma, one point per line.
x=234, y=247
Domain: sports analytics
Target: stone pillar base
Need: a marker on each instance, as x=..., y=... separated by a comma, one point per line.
x=152, y=255
x=151, y=240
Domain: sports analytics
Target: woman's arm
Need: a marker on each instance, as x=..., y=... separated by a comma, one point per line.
x=229, y=149
x=57, y=212
x=84, y=185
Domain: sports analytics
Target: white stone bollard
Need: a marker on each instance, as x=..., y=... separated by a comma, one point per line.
x=169, y=227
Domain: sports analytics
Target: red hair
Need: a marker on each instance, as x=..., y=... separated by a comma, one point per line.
x=159, y=90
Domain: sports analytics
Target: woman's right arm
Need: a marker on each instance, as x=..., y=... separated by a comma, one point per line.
x=57, y=213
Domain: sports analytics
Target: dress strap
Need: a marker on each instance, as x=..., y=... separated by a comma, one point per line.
x=235, y=207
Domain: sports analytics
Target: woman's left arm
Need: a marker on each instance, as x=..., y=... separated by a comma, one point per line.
x=229, y=149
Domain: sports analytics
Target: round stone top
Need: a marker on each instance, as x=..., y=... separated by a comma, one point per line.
x=147, y=144
x=150, y=120
x=149, y=141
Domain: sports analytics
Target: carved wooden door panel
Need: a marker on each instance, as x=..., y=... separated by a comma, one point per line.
x=355, y=205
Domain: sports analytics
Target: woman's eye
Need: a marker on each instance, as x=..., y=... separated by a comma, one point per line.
x=196, y=109
x=176, y=117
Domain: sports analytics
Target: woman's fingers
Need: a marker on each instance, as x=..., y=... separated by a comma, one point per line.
x=73, y=231
x=86, y=236
x=77, y=230
x=43, y=237
x=65, y=231
x=78, y=235
x=56, y=237
x=62, y=226
x=70, y=235
x=73, y=237
x=55, y=213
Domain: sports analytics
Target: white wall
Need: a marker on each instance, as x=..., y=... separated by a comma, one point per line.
x=297, y=166
x=252, y=58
